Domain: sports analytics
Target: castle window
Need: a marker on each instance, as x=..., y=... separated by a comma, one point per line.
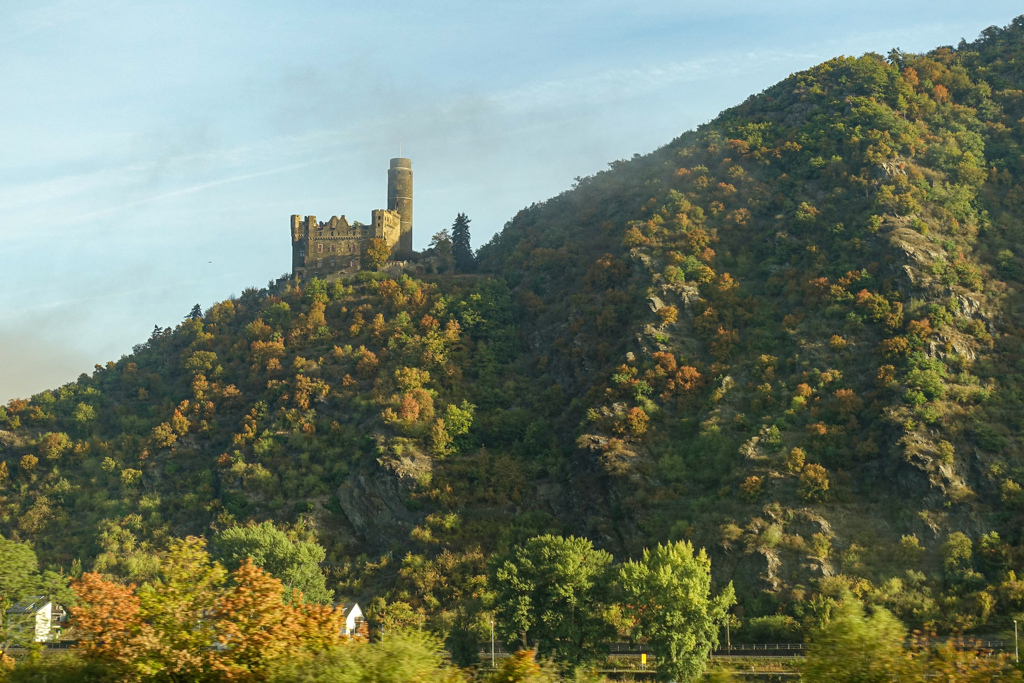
x=332, y=248
x=319, y=247
x=319, y=263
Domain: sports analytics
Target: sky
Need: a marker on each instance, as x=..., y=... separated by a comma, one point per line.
x=151, y=153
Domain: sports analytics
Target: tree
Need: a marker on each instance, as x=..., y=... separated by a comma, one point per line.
x=462, y=252
x=552, y=594
x=165, y=629
x=857, y=648
x=668, y=596
x=256, y=629
x=195, y=314
x=19, y=571
x=175, y=606
x=295, y=563
x=441, y=247
x=377, y=253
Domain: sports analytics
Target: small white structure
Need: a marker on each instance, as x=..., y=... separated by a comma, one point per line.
x=353, y=618
x=36, y=618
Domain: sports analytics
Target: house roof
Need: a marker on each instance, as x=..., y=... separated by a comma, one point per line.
x=29, y=605
x=347, y=607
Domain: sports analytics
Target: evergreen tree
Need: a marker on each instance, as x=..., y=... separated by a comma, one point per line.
x=196, y=313
x=465, y=261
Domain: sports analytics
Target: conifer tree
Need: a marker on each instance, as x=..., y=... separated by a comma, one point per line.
x=465, y=261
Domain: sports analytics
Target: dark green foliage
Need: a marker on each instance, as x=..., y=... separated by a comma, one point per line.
x=462, y=251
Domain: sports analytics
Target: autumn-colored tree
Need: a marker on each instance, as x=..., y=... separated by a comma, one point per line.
x=256, y=629
x=813, y=482
x=377, y=253
x=194, y=622
x=108, y=621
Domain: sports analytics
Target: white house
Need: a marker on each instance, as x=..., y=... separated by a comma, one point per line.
x=353, y=618
x=37, y=617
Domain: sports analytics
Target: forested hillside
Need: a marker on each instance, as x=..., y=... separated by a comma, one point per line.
x=793, y=336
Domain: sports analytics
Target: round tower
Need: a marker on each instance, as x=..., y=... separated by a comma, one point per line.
x=400, y=199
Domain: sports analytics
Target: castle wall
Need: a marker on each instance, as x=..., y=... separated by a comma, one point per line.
x=323, y=247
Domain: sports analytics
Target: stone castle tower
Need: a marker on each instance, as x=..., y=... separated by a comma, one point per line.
x=323, y=247
x=400, y=199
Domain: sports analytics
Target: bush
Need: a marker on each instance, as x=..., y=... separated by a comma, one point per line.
x=774, y=628
x=410, y=656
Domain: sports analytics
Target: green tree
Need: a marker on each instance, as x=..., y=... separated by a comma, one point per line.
x=315, y=291
x=176, y=605
x=196, y=313
x=859, y=648
x=295, y=563
x=668, y=596
x=441, y=248
x=20, y=576
x=462, y=252
x=552, y=593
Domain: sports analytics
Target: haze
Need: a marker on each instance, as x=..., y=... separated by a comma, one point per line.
x=151, y=153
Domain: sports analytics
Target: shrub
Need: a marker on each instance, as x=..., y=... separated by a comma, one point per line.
x=813, y=483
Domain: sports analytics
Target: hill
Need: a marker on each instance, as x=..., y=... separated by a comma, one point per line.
x=793, y=335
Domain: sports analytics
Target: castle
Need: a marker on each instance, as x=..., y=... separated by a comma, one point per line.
x=319, y=248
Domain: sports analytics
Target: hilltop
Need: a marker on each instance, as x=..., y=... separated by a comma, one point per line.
x=793, y=336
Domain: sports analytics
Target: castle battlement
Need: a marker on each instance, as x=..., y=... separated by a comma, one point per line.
x=322, y=247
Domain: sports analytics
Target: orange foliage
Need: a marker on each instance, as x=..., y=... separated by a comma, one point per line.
x=263, y=351
x=697, y=239
x=428, y=324
x=687, y=378
x=235, y=629
x=108, y=618
x=307, y=390
x=750, y=489
x=255, y=627
x=392, y=294
x=634, y=238
x=666, y=363
x=723, y=342
x=892, y=348
x=409, y=409
x=848, y=401
x=920, y=328
x=377, y=328
x=668, y=314
x=636, y=421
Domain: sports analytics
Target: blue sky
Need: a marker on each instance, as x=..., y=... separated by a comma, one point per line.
x=151, y=153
